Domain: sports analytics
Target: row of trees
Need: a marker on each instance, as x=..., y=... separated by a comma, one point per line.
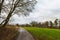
x=47, y=24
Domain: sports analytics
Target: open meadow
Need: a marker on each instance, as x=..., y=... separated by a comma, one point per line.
x=44, y=33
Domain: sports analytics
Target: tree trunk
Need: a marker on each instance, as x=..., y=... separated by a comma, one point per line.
x=9, y=16
x=7, y=19
x=1, y=4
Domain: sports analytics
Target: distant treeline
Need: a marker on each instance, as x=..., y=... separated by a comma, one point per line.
x=46, y=24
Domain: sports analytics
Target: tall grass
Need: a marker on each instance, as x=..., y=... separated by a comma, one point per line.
x=9, y=33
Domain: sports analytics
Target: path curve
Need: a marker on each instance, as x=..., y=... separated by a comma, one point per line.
x=24, y=35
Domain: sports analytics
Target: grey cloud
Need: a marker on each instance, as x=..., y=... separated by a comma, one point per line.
x=44, y=10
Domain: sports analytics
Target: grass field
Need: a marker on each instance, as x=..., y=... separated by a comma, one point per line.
x=44, y=33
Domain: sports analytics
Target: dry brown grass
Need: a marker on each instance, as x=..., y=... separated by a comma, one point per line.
x=9, y=33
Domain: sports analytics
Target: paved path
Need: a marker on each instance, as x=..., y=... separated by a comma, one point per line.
x=24, y=35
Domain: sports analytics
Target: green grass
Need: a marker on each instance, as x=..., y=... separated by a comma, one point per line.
x=44, y=33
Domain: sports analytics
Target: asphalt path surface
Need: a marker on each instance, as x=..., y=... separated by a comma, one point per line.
x=24, y=35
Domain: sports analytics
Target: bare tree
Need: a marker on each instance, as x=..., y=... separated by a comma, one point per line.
x=51, y=24
x=59, y=24
x=34, y=24
x=56, y=22
x=16, y=7
x=46, y=24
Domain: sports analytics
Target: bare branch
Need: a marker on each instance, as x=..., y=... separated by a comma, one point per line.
x=2, y=17
x=1, y=4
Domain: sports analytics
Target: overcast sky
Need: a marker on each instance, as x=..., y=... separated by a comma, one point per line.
x=45, y=10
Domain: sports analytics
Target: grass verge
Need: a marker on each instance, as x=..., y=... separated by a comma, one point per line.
x=9, y=33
